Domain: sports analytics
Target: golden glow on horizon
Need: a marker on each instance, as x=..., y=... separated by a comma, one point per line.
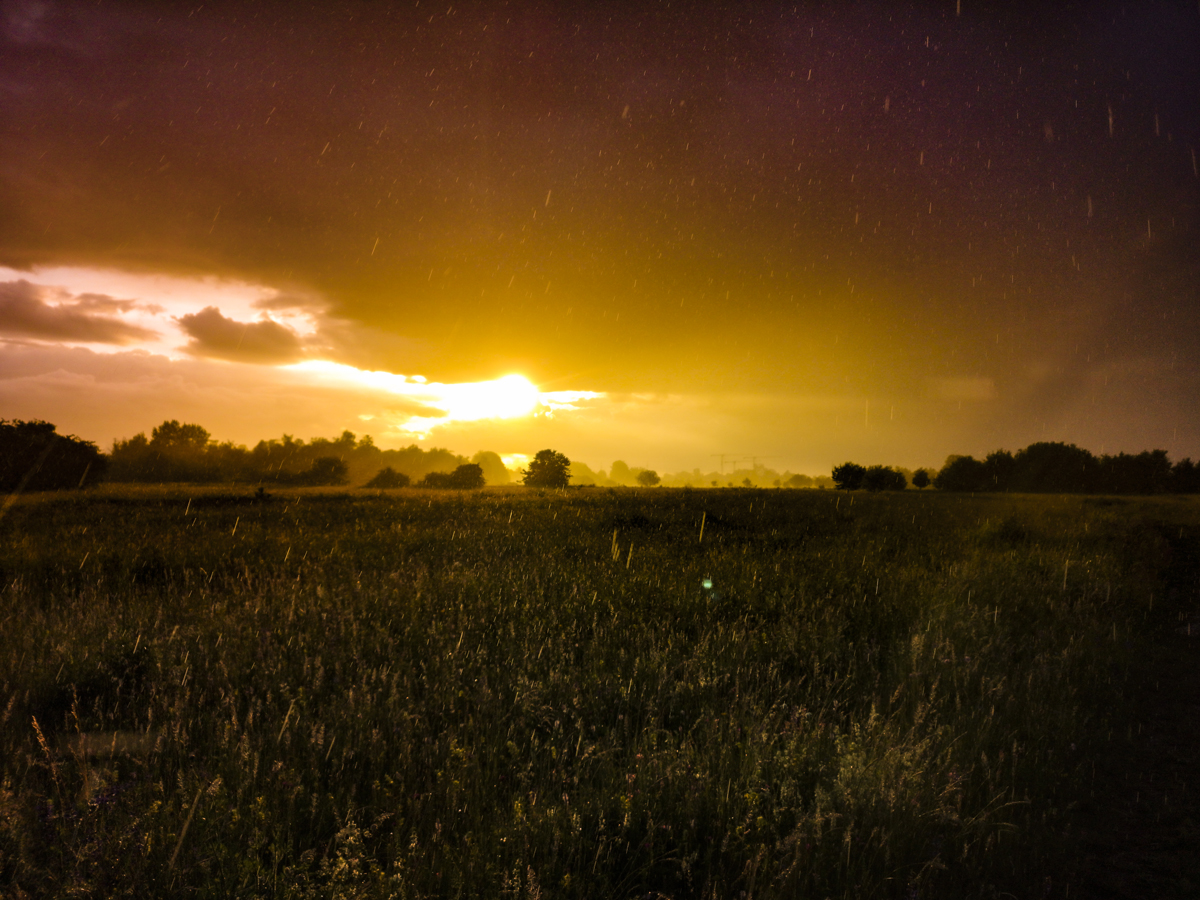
x=510, y=397
x=515, y=462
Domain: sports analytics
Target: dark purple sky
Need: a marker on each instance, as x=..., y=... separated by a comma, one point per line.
x=877, y=231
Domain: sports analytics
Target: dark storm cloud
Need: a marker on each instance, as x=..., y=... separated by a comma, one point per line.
x=214, y=336
x=25, y=312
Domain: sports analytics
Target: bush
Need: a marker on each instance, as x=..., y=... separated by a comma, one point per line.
x=464, y=478
x=389, y=478
x=961, y=473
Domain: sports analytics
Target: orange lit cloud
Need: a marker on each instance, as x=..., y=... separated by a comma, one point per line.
x=26, y=310
x=213, y=335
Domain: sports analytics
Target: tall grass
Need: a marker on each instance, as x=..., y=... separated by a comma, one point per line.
x=431, y=694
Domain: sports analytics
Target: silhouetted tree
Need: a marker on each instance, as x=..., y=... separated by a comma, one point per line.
x=920, y=479
x=998, y=469
x=129, y=459
x=174, y=452
x=1148, y=472
x=388, y=478
x=548, y=468
x=1053, y=467
x=648, y=478
x=799, y=481
x=1185, y=477
x=35, y=457
x=848, y=476
x=961, y=473
x=171, y=436
x=881, y=478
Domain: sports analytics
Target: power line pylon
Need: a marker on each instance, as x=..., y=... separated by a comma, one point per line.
x=723, y=457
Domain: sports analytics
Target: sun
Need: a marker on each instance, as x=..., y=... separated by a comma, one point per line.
x=503, y=398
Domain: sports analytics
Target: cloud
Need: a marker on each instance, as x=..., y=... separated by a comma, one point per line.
x=102, y=303
x=212, y=335
x=24, y=311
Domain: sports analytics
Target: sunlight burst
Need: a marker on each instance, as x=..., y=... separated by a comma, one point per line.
x=512, y=396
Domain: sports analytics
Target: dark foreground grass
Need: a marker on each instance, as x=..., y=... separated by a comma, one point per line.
x=529, y=694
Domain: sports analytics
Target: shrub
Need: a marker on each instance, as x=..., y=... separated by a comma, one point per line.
x=389, y=478
x=464, y=478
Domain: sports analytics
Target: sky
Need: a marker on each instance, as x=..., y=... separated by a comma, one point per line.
x=657, y=232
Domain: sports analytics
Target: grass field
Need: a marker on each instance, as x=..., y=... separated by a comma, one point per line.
x=563, y=694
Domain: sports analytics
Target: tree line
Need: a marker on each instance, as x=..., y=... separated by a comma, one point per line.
x=1044, y=467
x=186, y=453
x=34, y=457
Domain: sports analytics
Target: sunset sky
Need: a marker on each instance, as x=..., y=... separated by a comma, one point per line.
x=653, y=232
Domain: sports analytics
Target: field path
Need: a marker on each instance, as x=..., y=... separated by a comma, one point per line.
x=1139, y=834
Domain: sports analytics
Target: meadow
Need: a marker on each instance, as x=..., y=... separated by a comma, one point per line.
x=586, y=693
